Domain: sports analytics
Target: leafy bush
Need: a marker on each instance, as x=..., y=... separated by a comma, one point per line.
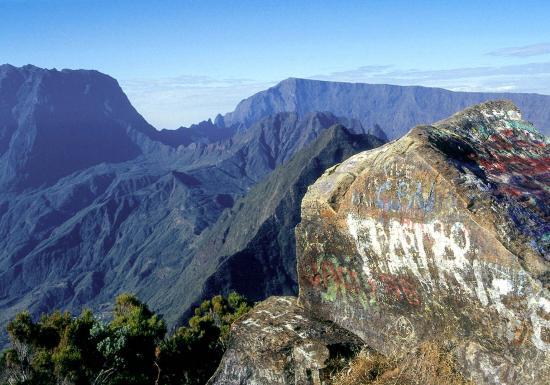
x=130, y=349
x=192, y=354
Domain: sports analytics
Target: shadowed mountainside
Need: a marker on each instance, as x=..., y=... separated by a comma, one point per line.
x=254, y=240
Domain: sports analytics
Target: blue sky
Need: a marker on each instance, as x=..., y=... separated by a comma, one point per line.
x=184, y=61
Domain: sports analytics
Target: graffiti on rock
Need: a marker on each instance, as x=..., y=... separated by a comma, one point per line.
x=441, y=256
x=338, y=280
x=406, y=246
x=398, y=195
x=512, y=159
x=402, y=196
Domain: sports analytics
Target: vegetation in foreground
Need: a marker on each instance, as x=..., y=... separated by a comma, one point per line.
x=428, y=364
x=131, y=349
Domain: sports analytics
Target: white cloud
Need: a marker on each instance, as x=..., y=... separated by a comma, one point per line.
x=523, y=51
x=187, y=99
x=532, y=77
x=184, y=100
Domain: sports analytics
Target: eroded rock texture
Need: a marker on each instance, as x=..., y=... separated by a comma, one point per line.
x=441, y=235
x=278, y=343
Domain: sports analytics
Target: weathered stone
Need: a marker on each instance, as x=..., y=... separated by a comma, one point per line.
x=442, y=235
x=278, y=343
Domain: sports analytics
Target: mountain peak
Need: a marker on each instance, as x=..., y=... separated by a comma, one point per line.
x=57, y=122
x=492, y=109
x=26, y=67
x=290, y=80
x=7, y=66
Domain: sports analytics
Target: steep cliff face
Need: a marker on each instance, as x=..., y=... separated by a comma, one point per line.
x=53, y=123
x=441, y=235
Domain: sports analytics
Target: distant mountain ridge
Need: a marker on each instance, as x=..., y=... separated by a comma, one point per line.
x=392, y=108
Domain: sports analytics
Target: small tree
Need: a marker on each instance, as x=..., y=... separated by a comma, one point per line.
x=193, y=353
x=131, y=349
x=128, y=343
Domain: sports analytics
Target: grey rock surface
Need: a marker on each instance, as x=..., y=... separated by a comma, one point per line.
x=278, y=343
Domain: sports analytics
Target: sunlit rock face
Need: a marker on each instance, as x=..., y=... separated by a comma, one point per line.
x=278, y=343
x=442, y=235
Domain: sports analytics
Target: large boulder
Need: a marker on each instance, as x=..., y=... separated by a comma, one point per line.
x=277, y=343
x=442, y=235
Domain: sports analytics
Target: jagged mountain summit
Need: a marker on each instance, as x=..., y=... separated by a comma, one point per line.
x=439, y=237
x=379, y=107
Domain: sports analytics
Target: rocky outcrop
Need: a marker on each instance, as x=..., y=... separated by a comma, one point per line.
x=441, y=235
x=278, y=343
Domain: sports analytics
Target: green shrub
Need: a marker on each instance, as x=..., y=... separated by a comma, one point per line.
x=192, y=354
x=131, y=349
